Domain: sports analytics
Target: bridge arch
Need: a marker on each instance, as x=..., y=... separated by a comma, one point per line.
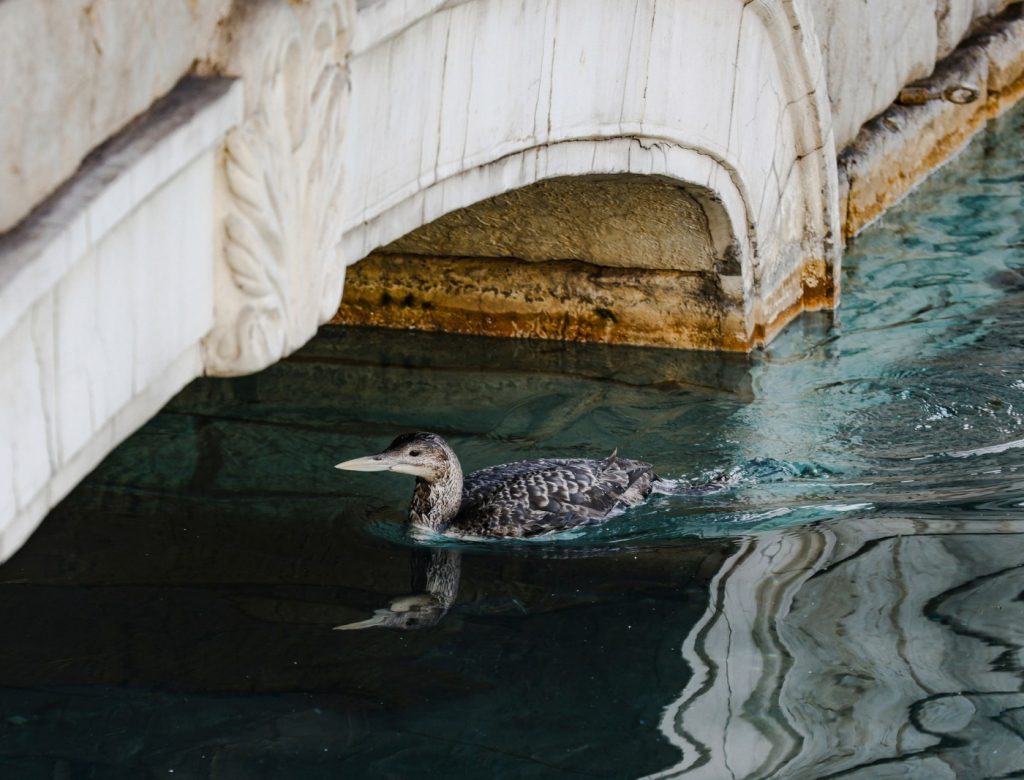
x=457, y=106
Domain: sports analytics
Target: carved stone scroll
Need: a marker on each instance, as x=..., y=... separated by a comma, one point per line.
x=282, y=271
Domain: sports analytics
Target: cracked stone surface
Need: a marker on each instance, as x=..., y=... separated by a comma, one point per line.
x=874, y=47
x=449, y=152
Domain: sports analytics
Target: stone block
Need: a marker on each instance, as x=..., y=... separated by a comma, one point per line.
x=565, y=300
x=76, y=73
x=898, y=149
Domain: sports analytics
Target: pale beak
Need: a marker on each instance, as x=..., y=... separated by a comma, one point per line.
x=369, y=463
x=424, y=608
x=381, y=617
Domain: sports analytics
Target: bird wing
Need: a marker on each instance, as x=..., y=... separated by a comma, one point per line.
x=543, y=496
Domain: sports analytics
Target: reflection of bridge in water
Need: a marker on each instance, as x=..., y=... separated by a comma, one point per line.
x=861, y=648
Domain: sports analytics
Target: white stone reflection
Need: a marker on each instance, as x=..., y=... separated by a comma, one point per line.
x=868, y=648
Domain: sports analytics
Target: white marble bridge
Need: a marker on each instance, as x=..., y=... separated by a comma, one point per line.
x=184, y=186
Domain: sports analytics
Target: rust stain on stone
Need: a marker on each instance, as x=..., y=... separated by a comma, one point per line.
x=815, y=292
x=566, y=300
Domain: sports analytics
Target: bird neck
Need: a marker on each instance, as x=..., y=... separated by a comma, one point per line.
x=435, y=502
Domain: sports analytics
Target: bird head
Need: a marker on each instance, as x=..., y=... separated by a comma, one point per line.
x=417, y=610
x=424, y=455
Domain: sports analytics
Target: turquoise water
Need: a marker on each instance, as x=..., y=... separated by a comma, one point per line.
x=850, y=605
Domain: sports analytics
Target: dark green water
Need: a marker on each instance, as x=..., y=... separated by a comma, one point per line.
x=853, y=606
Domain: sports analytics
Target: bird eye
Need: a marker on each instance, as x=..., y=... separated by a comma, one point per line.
x=414, y=453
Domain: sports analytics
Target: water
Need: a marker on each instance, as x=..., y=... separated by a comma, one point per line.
x=849, y=606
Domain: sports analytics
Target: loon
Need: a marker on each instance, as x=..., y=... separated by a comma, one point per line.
x=512, y=500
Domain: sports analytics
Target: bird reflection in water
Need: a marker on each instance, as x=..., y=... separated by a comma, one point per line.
x=435, y=586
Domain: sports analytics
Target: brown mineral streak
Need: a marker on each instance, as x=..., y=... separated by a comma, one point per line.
x=817, y=293
x=886, y=186
x=562, y=300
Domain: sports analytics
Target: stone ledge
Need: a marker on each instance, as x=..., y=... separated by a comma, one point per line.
x=901, y=147
x=570, y=300
x=77, y=72
x=106, y=291
x=113, y=180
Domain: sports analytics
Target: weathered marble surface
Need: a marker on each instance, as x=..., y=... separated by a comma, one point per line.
x=452, y=156
x=76, y=72
x=105, y=294
x=896, y=150
x=445, y=115
x=108, y=61
x=874, y=47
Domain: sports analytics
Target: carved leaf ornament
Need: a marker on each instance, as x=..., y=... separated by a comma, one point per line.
x=283, y=169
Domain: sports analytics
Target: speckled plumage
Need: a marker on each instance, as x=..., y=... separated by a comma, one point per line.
x=534, y=497
x=521, y=499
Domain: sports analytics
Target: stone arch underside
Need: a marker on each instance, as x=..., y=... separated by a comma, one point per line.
x=590, y=184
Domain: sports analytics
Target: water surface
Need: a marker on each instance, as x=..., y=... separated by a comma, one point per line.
x=851, y=606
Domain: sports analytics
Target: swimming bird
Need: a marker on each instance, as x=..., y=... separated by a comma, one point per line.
x=521, y=499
